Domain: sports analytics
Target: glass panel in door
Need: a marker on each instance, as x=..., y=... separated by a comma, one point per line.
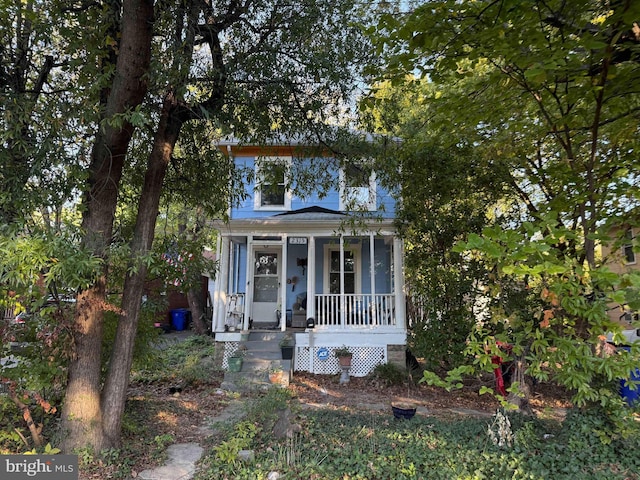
x=266, y=285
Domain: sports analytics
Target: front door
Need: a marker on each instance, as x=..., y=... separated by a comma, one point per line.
x=266, y=284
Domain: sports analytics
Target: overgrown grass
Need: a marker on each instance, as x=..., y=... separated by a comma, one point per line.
x=188, y=361
x=345, y=445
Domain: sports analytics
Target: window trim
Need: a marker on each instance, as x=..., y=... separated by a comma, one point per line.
x=257, y=191
x=370, y=205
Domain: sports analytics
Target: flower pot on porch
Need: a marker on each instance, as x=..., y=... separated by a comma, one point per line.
x=286, y=346
x=343, y=354
x=287, y=352
x=235, y=364
x=345, y=361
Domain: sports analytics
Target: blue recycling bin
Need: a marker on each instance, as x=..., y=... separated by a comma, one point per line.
x=629, y=395
x=179, y=318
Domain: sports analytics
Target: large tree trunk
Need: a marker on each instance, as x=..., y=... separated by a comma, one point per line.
x=194, y=297
x=82, y=417
x=194, y=294
x=114, y=394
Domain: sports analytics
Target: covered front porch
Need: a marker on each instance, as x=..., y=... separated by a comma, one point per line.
x=301, y=273
x=349, y=283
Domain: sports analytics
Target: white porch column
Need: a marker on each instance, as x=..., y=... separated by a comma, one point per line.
x=215, y=304
x=372, y=276
x=398, y=283
x=221, y=287
x=248, y=294
x=283, y=283
x=342, y=303
x=311, y=277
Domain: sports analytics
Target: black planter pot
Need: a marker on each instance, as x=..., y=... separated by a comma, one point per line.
x=287, y=353
x=405, y=412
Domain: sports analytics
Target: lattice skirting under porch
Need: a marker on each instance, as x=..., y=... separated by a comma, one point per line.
x=364, y=361
x=229, y=349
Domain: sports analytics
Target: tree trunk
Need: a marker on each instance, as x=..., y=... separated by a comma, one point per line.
x=81, y=420
x=81, y=416
x=194, y=296
x=114, y=395
x=523, y=397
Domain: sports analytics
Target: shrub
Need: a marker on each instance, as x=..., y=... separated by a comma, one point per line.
x=390, y=374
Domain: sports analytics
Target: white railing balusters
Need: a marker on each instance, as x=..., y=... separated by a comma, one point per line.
x=361, y=310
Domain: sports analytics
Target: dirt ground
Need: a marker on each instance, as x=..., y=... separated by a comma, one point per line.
x=182, y=413
x=325, y=390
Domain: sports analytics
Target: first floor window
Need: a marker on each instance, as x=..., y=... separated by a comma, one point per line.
x=349, y=272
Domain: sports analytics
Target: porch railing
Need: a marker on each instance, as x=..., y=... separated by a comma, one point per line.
x=355, y=310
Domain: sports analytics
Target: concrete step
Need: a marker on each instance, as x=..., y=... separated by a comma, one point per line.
x=264, y=354
x=262, y=351
x=265, y=326
x=262, y=345
x=254, y=376
x=265, y=335
x=264, y=364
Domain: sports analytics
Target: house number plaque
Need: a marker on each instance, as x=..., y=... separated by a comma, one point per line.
x=298, y=240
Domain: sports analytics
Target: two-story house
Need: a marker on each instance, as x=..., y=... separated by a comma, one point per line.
x=298, y=265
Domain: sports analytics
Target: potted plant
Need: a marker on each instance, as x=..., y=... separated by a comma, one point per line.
x=276, y=374
x=344, y=356
x=286, y=346
x=235, y=360
x=403, y=411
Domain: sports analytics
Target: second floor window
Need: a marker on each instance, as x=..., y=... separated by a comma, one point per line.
x=357, y=188
x=271, y=184
x=627, y=248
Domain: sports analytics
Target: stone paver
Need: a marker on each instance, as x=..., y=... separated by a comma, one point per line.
x=181, y=464
x=183, y=457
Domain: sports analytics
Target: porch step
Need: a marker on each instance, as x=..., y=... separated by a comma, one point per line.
x=262, y=353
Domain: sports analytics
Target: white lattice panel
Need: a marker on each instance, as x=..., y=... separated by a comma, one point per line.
x=364, y=360
x=229, y=349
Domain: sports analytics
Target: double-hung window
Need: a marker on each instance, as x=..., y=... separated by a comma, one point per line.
x=357, y=187
x=350, y=270
x=627, y=248
x=271, y=192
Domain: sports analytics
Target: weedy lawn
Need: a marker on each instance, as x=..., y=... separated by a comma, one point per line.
x=334, y=444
